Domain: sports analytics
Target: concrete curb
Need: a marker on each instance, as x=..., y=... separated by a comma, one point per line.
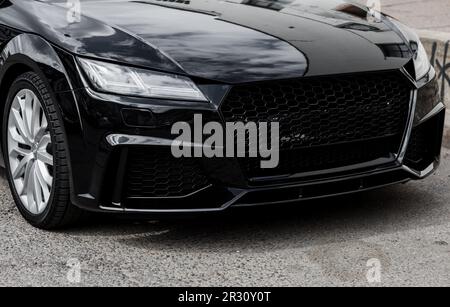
x=437, y=45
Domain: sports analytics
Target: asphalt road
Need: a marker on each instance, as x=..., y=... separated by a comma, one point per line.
x=406, y=228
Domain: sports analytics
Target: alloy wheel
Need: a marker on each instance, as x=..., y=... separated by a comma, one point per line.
x=30, y=151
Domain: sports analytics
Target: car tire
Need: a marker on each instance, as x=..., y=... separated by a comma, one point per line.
x=47, y=166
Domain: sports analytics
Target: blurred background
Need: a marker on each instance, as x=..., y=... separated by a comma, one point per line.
x=432, y=15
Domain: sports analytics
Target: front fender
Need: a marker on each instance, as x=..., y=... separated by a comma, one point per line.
x=38, y=54
x=57, y=68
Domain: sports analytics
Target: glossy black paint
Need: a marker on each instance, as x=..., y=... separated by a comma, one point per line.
x=216, y=43
x=28, y=51
x=225, y=41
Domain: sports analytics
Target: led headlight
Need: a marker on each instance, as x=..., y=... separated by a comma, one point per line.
x=123, y=80
x=421, y=62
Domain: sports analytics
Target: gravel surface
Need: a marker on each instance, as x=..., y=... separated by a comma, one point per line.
x=321, y=243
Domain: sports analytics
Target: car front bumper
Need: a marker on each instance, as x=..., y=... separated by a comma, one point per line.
x=101, y=145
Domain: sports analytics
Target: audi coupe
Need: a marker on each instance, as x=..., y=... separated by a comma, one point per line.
x=90, y=91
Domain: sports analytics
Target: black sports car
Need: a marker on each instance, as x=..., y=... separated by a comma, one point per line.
x=90, y=91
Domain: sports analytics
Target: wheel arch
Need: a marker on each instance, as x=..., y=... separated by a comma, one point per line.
x=24, y=53
x=32, y=53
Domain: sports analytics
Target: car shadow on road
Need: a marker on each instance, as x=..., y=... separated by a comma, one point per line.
x=259, y=229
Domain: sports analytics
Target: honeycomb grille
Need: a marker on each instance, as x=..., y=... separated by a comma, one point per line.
x=153, y=172
x=323, y=111
x=325, y=157
x=326, y=111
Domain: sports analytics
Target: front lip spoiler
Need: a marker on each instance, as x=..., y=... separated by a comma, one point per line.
x=422, y=174
x=237, y=201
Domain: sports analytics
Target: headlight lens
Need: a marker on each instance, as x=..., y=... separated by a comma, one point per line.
x=421, y=62
x=125, y=80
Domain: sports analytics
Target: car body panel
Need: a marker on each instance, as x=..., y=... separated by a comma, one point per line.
x=225, y=41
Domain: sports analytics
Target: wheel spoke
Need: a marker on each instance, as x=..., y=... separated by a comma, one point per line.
x=44, y=173
x=20, y=125
x=37, y=190
x=42, y=128
x=27, y=173
x=29, y=190
x=44, y=141
x=20, y=151
x=44, y=185
x=15, y=136
x=27, y=113
x=35, y=119
x=21, y=167
x=45, y=157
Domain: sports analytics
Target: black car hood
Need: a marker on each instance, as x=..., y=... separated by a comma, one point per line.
x=228, y=41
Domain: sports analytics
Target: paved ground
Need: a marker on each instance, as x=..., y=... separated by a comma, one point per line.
x=420, y=14
x=407, y=228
